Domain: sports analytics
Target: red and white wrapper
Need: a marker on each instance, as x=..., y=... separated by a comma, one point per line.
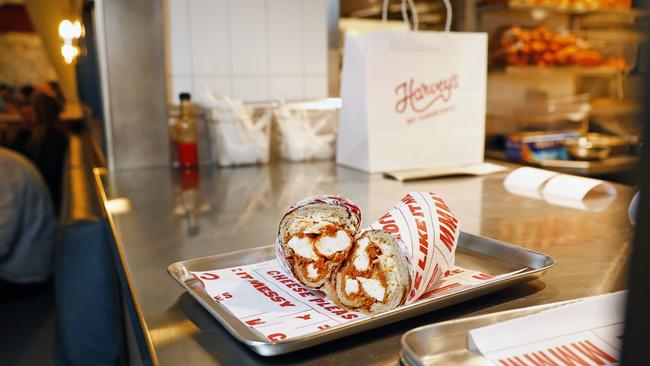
x=350, y=206
x=428, y=235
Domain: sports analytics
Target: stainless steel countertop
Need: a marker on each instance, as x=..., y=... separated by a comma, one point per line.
x=240, y=208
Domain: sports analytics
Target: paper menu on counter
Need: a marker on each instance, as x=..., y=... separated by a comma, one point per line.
x=479, y=169
x=587, y=332
x=272, y=302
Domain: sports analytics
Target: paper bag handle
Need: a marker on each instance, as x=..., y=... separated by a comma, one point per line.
x=414, y=11
x=416, y=22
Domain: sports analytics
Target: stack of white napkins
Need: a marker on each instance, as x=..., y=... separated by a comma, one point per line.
x=237, y=137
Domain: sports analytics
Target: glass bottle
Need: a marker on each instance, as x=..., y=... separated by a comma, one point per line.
x=185, y=135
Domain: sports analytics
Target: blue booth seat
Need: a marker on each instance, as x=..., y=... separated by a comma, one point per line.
x=85, y=275
x=86, y=295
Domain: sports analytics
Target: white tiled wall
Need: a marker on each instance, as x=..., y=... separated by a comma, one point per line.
x=254, y=50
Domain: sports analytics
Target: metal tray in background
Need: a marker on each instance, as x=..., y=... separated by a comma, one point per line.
x=445, y=343
x=473, y=252
x=609, y=165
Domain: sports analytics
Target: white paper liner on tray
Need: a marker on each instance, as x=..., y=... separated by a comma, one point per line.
x=266, y=297
x=270, y=301
x=428, y=235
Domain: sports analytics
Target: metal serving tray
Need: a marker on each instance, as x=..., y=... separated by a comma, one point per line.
x=445, y=343
x=473, y=252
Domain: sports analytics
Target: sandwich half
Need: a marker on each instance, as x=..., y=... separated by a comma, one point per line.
x=374, y=277
x=315, y=238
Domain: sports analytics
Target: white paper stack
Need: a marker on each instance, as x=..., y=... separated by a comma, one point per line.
x=237, y=137
x=587, y=332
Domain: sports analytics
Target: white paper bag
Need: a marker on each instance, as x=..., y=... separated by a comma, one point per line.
x=412, y=100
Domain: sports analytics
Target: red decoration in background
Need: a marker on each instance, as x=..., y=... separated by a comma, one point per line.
x=14, y=18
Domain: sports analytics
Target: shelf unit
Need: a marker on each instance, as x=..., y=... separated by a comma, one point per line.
x=590, y=21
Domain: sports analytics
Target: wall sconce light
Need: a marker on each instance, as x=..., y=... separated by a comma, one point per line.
x=70, y=32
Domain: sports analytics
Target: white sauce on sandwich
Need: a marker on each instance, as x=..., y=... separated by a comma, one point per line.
x=361, y=259
x=302, y=247
x=312, y=271
x=373, y=288
x=351, y=285
x=315, y=227
x=328, y=245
